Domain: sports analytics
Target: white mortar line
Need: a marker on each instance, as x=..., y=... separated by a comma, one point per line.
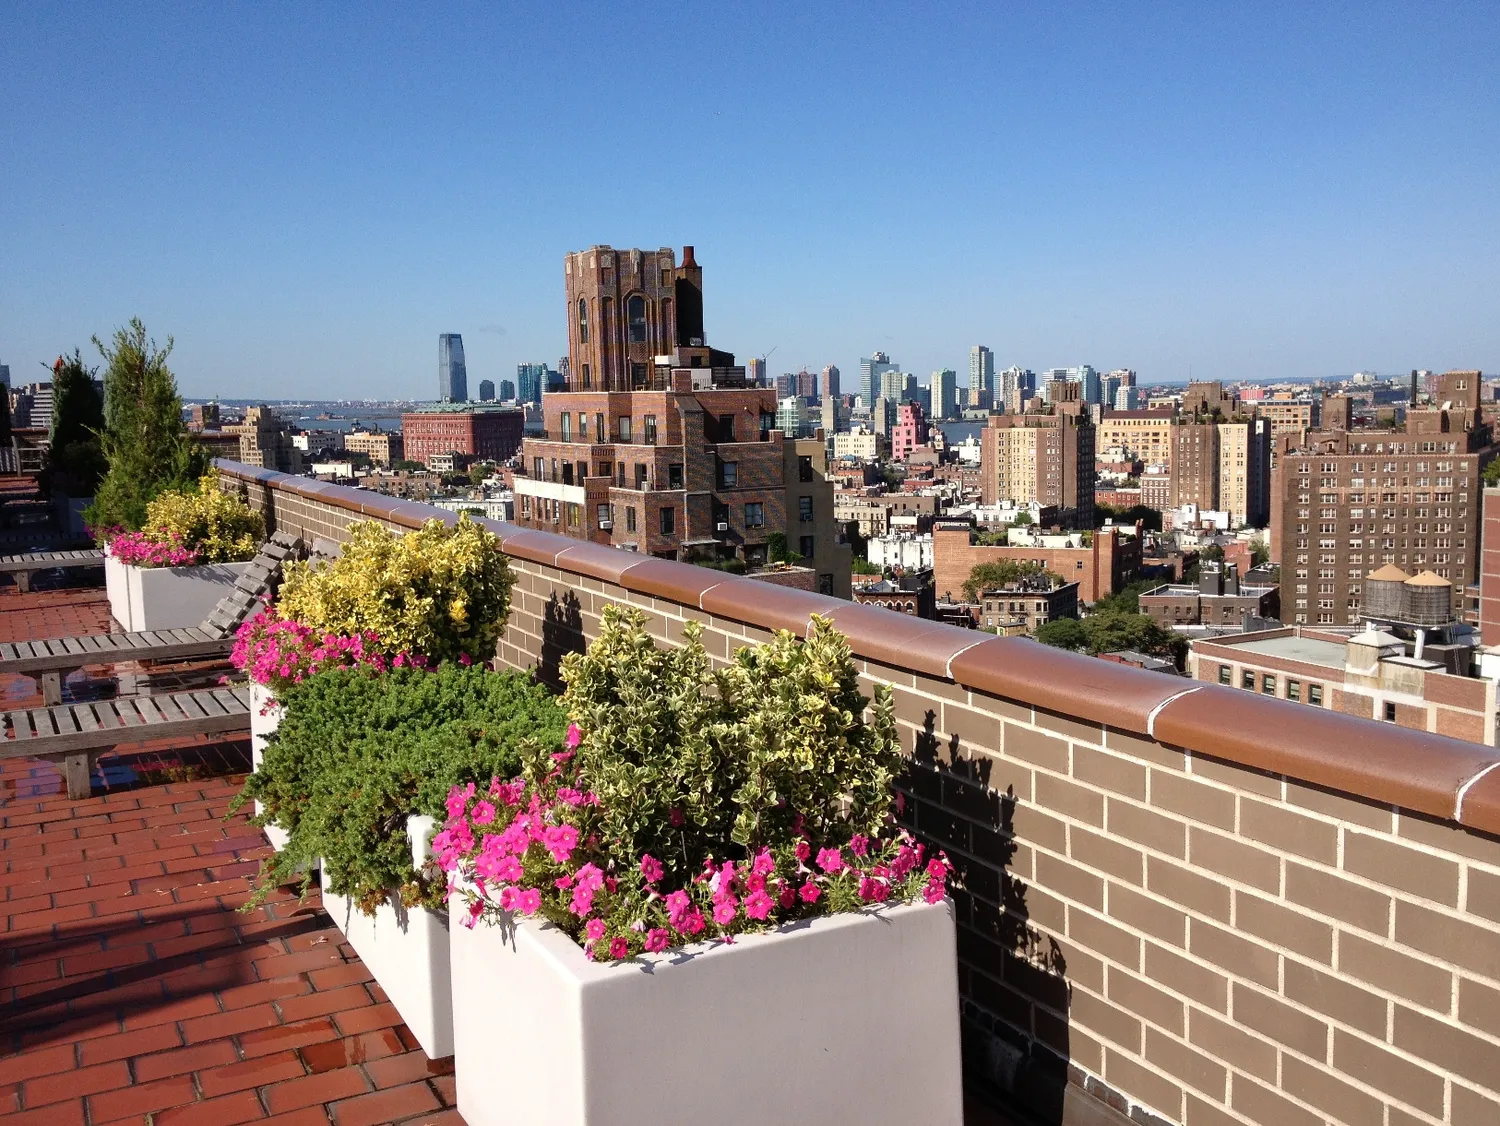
x=1156, y=711
x=948, y=669
x=1458, y=808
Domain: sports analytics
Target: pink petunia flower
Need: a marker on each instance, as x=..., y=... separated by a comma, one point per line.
x=594, y=929
x=809, y=892
x=657, y=940
x=831, y=860
x=859, y=844
x=574, y=736
x=725, y=910
x=804, y=850
x=758, y=905
x=619, y=948
x=530, y=901
x=651, y=868
x=764, y=863
x=484, y=813
x=934, y=892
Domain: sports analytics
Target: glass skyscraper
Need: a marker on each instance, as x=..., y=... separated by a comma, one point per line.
x=531, y=380
x=453, y=377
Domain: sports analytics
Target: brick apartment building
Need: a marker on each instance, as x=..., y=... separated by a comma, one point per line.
x=1047, y=458
x=380, y=447
x=1020, y=608
x=1489, y=570
x=1371, y=674
x=1286, y=416
x=1143, y=434
x=265, y=441
x=659, y=446
x=910, y=431
x=479, y=432
x=1219, y=598
x=1109, y=562
x=1195, y=465
x=1348, y=502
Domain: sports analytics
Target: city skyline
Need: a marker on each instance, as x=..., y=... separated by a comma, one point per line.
x=1249, y=197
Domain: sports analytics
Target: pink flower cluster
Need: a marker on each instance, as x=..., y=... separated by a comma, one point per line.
x=138, y=549
x=278, y=651
x=534, y=849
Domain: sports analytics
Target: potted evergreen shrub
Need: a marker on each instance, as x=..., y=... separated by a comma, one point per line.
x=193, y=546
x=348, y=672
x=75, y=458
x=356, y=777
x=699, y=908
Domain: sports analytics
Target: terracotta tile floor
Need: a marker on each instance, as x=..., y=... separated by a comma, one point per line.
x=133, y=989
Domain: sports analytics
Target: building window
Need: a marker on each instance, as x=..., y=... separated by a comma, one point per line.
x=755, y=515
x=567, y=427
x=583, y=330
x=630, y=519
x=649, y=427
x=1390, y=712
x=668, y=521
x=1315, y=695
x=805, y=509
x=1226, y=676
x=1294, y=690
x=804, y=468
x=586, y=380
x=599, y=430
x=674, y=476
x=1268, y=685
x=729, y=474
x=635, y=313
x=1247, y=680
x=601, y=514
x=624, y=424
x=806, y=546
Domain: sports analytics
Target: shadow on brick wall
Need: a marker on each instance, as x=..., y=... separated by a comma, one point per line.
x=562, y=633
x=1012, y=979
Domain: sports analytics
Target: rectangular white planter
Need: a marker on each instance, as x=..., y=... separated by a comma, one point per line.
x=169, y=597
x=407, y=951
x=115, y=586
x=264, y=718
x=846, y=1018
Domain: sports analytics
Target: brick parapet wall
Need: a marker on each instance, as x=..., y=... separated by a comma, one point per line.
x=1193, y=904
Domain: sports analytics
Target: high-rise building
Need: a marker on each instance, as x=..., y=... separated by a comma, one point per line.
x=1195, y=464
x=871, y=371
x=1245, y=471
x=806, y=385
x=829, y=388
x=1083, y=375
x=1047, y=458
x=981, y=375
x=792, y=417
x=531, y=379
x=4, y=375
x=486, y=391
x=507, y=390
x=755, y=372
x=944, y=393
x=1016, y=388
x=1348, y=502
x=892, y=386
x=627, y=307
x=909, y=432
x=453, y=377
x=678, y=457
x=786, y=384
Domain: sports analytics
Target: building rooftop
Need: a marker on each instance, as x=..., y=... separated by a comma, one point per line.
x=1314, y=651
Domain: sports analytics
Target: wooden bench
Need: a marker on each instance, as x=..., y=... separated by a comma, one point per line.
x=22, y=567
x=79, y=733
x=50, y=661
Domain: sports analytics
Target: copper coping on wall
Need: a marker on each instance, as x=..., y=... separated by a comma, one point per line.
x=1392, y=765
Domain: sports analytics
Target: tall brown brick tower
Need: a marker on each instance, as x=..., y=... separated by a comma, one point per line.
x=626, y=307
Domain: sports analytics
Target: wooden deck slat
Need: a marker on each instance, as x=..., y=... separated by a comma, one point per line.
x=84, y=718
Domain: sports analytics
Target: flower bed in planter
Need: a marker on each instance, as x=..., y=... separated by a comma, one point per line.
x=406, y=948
x=702, y=892
x=844, y=1018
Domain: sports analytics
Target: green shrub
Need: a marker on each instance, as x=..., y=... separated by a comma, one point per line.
x=440, y=592
x=220, y=528
x=685, y=759
x=357, y=753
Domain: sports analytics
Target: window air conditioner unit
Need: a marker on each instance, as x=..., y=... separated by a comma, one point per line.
x=721, y=526
x=606, y=525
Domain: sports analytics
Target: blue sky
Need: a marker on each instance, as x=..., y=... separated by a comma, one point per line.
x=306, y=195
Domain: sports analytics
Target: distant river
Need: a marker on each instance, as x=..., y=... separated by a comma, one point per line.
x=958, y=431
x=386, y=422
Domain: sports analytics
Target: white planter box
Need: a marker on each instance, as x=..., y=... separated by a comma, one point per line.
x=115, y=586
x=407, y=951
x=847, y=1018
x=170, y=597
x=264, y=718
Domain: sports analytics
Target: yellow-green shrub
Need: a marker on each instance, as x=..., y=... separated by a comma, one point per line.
x=439, y=592
x=219, y=527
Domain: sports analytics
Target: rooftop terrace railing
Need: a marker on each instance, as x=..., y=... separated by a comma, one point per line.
x=1177, y=902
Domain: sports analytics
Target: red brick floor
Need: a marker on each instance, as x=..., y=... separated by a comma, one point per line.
x=133, y=989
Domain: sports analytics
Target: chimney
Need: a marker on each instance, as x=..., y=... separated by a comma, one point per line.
x=1231, y=578
x=688, y=261
x=1413, y=387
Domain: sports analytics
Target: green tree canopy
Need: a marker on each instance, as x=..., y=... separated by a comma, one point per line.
x=1149, y=518
x=1492, y=473
x=75, y=452
x=1111, y=631
x=1126, y=599
x=1063, y=633
x=1259, y=552
x=993, y=576
x=148, y=448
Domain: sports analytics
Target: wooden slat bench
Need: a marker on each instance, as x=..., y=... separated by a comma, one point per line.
x=50, y=661
x=22, y=567
x=79, y=733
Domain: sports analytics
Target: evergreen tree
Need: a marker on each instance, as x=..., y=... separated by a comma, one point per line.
x=148, y=448
x=75, y=455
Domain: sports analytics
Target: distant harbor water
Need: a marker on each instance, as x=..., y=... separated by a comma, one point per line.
x=387, y=422
x=958, y=431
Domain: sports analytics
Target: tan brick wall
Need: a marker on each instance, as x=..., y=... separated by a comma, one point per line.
x=1191, y=940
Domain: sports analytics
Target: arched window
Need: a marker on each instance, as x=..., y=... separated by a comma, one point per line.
x=583, y=321
x=635, y=312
